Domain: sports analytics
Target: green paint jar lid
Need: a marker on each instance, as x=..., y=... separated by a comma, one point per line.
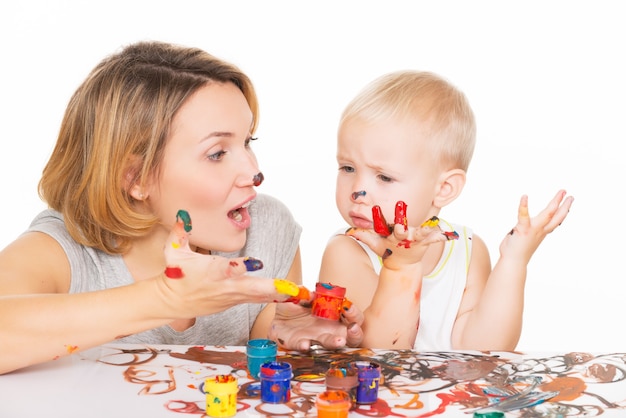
x=495, y=414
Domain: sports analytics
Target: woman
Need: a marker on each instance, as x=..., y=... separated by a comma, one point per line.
x=155, y=136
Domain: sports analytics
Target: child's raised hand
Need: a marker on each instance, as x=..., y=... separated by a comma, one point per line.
x=200, y=284
x=399, y=244
x=525, y=237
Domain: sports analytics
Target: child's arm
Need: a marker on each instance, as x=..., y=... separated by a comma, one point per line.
x=390, y=302
x=490, y=316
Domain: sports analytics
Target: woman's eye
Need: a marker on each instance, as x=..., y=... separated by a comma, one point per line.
x=347, y=169
x=217, y=156
x=250, y=139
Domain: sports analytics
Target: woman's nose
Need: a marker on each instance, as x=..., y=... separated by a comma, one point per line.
x=257, y=179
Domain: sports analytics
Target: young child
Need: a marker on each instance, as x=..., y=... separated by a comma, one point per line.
x=404, y=146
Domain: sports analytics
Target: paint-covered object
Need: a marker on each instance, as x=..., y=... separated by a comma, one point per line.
x=344, y=379
x=328, y=302
x=276, y=382
x=333, y=404
x=259, y=351
x=221, y=396
x=368, y=373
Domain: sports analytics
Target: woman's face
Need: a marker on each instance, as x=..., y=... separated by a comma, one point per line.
x=208, y=168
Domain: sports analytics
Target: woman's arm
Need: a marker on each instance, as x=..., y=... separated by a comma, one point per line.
x=40, y=321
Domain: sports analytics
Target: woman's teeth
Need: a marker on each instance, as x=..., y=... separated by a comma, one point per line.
x=236, y=215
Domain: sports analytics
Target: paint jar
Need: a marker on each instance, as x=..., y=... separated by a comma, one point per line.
x=369, y=378
x=276, y=382
x=333, y=404
x=344, y=379
x=328, y=301
x=221, y=396
x=260, y=351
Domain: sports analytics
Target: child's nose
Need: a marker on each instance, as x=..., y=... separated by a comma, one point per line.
x=356, y=195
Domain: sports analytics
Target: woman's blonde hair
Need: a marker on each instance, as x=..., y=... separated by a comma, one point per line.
x=441, y=111
x=113, y=135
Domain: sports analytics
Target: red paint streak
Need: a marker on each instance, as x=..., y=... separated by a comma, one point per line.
x=405, y=243
x=401, y=215
x=174, y=272
x=447, y=399
x=380, y=224
x=233, y=263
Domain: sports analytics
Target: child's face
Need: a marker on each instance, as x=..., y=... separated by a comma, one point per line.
x=388, y=161
x=208, y=168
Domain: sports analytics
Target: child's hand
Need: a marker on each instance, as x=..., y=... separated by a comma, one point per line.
x=196, y=284
x=526, y=236
x=400, y=244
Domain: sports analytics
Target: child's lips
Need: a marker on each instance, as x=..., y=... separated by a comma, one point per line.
x=360, y=222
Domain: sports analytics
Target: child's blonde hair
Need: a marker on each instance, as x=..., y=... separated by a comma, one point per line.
x=440, y=112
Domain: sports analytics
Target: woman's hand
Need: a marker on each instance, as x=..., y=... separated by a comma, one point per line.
x=525, y=237
x=294, y=328
x=196, y=284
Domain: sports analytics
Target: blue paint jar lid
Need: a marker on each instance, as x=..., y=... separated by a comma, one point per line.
x=276, y=370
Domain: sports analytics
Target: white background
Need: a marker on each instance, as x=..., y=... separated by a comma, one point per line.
x=545, y=79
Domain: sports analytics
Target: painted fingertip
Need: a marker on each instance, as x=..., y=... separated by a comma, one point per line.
x=252, y=264
x=346, y=305
x=380, y=224
x=432, y=222
x=183, y=216
x=387, y=253
x=174, y=273
x=286, y=287
x=451, y=235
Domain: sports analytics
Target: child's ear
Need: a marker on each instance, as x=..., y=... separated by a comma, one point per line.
x=451, y=184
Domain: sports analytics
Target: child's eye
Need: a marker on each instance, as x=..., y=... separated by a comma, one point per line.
x=347, y=169
x=217, y=156
x=250, y=139
x=384, y=178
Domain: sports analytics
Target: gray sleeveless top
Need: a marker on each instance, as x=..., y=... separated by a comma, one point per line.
x=273, y=237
